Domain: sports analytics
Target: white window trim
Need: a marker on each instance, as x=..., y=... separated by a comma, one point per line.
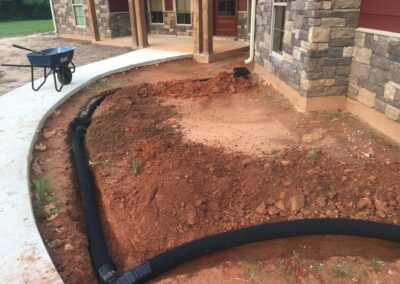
x=176, y=15
x=163, y=10
x=272, y=52
x=84, y=12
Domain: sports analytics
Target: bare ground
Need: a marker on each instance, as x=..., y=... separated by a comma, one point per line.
x=264, y=150
x=12, y=77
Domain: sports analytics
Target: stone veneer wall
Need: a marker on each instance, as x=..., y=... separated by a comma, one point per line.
x=169, y=27
x=375, y=73
x=120, y=24
x=65, y=19
x=317, y=46
x=243, y=25
x=103, y=18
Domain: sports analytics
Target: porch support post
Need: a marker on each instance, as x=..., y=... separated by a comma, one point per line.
x=132, y=18
x=207, y=19
x=93, y=20
x=197, y=27
x=141, y=23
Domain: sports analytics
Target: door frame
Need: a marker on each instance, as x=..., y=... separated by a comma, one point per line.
x=215, y=11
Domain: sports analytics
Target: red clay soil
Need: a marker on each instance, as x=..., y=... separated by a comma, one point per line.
x=159, y=187
x=157, y=191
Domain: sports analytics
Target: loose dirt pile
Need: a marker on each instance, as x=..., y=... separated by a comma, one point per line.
x=224, y=83
x=157, y=191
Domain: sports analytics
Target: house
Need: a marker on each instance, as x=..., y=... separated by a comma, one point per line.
x=321, y=54
x=167, y=17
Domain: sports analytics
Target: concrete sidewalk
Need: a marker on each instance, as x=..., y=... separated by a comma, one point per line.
x=23, y=255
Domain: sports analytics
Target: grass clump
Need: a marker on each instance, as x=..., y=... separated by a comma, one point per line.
x=44, y=200
x=313, y=154
x=342, y=269
x=376, y=263
x=136, y=167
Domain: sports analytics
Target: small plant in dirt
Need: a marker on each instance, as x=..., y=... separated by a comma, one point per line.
x=136, y=167
x=377, y=263
x=313, y=154
x=397, y=148
x=297, y=259
x=342, y=269
x=44, y=200
x=317, y=266
x=251, y=268
x=102, y=163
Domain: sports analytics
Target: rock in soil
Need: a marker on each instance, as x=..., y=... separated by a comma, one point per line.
x=297, y=203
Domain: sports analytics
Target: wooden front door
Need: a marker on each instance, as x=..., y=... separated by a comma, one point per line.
x=225, y=17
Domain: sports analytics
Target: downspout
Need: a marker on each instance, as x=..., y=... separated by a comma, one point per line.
x=252, y=31
x=52, y=15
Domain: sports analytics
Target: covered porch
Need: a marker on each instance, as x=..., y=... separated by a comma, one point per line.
x=206, y=42
x=222, y=48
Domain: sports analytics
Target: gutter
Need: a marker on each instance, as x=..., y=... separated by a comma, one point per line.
x=252, y=31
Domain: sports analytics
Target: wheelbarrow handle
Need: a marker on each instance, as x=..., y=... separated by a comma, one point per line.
x=28, y=49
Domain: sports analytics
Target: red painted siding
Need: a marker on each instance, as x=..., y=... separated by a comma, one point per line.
x=169, y=5
x=380, y=15
x=118, y=6
x=242, y=5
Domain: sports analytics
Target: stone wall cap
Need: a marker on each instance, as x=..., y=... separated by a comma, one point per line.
x=378, y=32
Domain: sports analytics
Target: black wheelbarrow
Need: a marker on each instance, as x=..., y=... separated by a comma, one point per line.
x=53, y=60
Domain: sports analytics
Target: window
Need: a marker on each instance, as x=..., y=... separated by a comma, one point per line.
x=156, y=11
x=183, y=15
x=278, y=25
x=380, y=15
x=226, y=7
x=79, y=12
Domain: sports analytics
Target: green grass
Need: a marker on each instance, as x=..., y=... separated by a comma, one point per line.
x=136, y=167
x=20, y=28
x=376, y=263
x=342, y=269
x=313, y=154
x=44, y=196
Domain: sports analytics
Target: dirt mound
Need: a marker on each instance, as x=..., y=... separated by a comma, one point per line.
x=223, y=83
x=157, y=191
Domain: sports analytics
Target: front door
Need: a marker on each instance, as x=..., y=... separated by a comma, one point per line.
x=225, y=17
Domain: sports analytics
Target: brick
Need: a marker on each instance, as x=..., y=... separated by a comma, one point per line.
x=369, y=41
x=316, y=85
x=380, y=46
x=313, y=45
x=378, y=77
x=333, y=22
x=319, y=34
x=362, y=55
x=335, y=52
x=379, y=105
x=341, y=42
x=336, y=91
x=394, y=47
x=342, y=80
x=348, y=51
x=343, y=70
x=359, y=39
x=342, y=32
x=346, y=4
x=394, y=71
x=381, y=62
x=392, y=112
x=391, y=88
x=366, y=97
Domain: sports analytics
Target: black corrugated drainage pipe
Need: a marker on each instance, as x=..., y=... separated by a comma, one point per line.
x=159, y=264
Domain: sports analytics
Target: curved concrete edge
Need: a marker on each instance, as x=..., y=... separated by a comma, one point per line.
x=23, y=254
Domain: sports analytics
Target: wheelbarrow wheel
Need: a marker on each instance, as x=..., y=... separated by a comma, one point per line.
x=64, y=75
